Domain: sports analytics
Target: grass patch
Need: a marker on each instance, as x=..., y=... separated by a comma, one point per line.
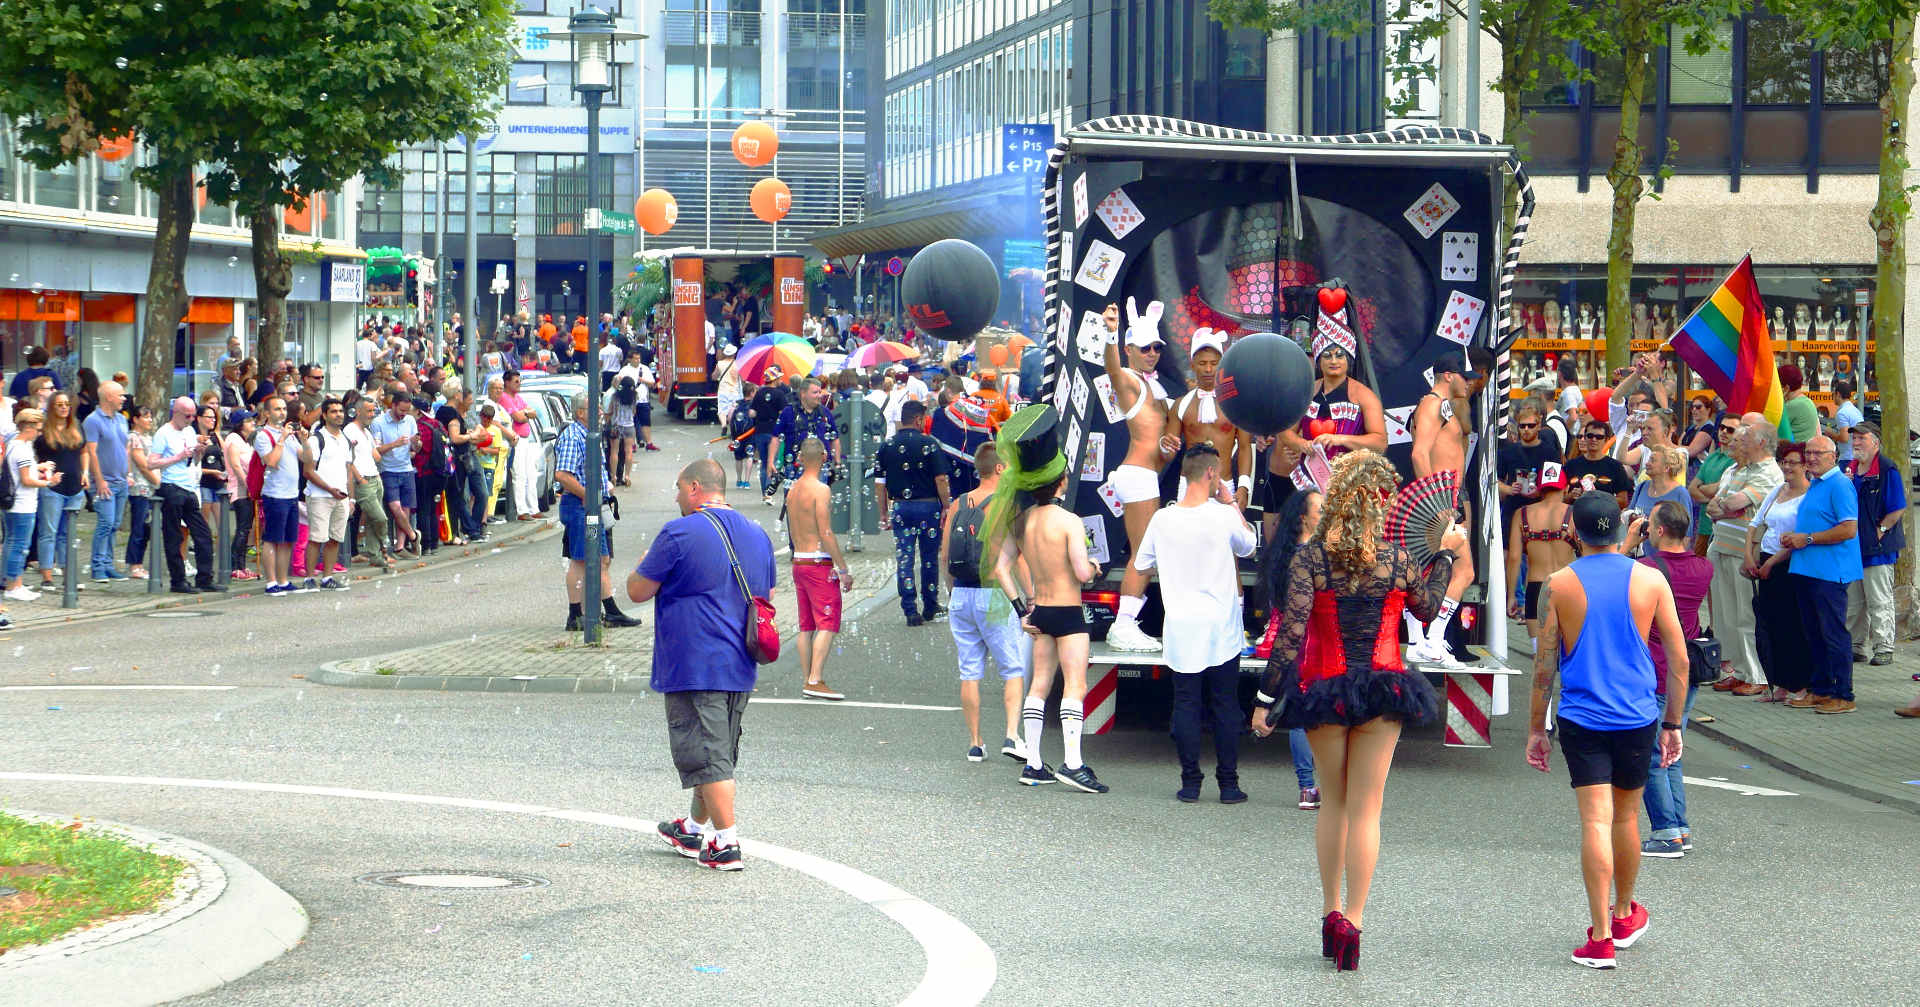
x=386, y=671
x=69, y=879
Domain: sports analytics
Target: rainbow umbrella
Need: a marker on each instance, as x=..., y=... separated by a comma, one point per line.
x=881, y=354
x=792, y=354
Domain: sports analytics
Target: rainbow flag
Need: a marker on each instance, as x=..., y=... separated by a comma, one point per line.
x=1725, y=342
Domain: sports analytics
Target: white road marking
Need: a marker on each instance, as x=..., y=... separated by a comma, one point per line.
x=852, y=702
x=1743, y=789
x=961, y=968
x=117, y=688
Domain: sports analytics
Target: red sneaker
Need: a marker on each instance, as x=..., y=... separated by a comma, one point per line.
x=1628, y=928
x=1595, y=954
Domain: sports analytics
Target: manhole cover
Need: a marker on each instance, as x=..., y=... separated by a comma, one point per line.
x=439, y=879
x=175, y=614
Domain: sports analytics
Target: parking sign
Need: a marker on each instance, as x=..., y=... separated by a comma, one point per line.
x=1024, y=146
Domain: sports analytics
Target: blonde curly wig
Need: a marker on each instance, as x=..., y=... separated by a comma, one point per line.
x=1353, y=516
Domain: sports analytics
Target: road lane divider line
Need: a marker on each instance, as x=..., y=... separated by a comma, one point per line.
x=117, y=688
x=775, y=701
x=961, y=968
x=1741, y=788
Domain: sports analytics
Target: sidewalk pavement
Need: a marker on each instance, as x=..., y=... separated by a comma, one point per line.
x=101, y=601
x=222, y=921
x=548, y=659
x=1869, y=753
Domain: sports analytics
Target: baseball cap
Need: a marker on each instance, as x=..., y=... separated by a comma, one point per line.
x=1209, y=339
x=1143, y=337
x=237, y=417
x=727, y=350
x=1455, y=363
x=1596, y=519
x=1865, y=427
x=1553, y=476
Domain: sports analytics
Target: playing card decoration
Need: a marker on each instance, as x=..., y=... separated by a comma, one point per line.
x=1080, y=201
x=1460, y=256
x=1461, y=319
x=1431, y=210
x=1118, y=213
x=1421, y=513
x=1331, y=326
x=1399, y=424
x=1099, y=266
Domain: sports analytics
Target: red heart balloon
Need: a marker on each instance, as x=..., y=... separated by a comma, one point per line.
x=1332, y=299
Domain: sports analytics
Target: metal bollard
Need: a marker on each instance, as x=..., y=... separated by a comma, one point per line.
x=223, y=538
x=70, y=591
x=156, y=552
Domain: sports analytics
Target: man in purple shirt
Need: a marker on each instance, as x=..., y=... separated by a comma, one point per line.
x=700, y=658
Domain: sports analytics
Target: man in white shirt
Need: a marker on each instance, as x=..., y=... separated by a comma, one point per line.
x=364, y=353
x=609, y=361
x=279, y=445
x=369, y=491
x=329, y=470
x=1193, y=544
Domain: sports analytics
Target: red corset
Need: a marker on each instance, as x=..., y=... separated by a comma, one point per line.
x=1323, y=651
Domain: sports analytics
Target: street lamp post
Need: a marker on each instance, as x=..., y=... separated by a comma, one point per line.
x=593, y=36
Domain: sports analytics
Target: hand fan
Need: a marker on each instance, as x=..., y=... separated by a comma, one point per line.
x=1421, y=513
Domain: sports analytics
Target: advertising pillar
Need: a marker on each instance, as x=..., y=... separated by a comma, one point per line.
x=689, y=320
x=789, y=293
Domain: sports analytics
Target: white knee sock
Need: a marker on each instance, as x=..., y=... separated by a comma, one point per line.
x=1437, y=629
x=1130, y=607
x=1033, y=716
x=1072, y=717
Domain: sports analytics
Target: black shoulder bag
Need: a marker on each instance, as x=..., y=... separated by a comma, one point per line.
x=1703, y=652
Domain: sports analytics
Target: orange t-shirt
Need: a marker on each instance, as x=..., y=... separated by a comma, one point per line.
x=998, y=410
x=579, y=339
x=547, y=332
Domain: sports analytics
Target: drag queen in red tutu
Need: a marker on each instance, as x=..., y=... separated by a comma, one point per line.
x=1336, y=671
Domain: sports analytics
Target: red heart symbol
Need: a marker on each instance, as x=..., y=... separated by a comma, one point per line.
x=1332, y=299
x=1319, y=428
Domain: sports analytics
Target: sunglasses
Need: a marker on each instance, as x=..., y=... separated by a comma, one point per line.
x=1591, y=436
x=1155, y=348
x=1528, y=426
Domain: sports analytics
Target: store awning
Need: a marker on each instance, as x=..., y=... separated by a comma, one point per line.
x=984, y=216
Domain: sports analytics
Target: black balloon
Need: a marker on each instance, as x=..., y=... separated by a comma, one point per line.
x=1265, y=384
x=951, y=289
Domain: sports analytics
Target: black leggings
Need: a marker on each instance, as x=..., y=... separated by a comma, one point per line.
x=242, y=533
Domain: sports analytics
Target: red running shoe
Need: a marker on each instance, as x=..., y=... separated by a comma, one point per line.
x=1595, y=954
x=1629, y=928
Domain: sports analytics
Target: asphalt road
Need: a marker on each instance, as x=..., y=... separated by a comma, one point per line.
x=1126, y=898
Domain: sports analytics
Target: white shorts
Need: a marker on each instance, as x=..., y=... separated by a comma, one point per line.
x=327, y=519
x=1135, y=484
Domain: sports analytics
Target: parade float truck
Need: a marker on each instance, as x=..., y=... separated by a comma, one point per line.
x=1237, y=232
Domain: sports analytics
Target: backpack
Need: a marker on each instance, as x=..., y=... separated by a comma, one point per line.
x=964, y=548
x=257, y=469
x=432, y=459
x=7, y=489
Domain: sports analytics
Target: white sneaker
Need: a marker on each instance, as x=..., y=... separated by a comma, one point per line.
x=1435, y=652
x=1126, y=634
x=22, y=593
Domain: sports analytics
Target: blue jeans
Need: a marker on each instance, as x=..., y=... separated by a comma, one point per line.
x=1666, y=794
x=139, y=529
x=19, y=540
x=107, y=511
x=474, y=520
x=56, y=521
x=916, y=524
x=1302, y=757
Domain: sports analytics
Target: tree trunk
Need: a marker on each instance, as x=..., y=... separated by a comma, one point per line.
x=272, y=280
x=1889, y=220
x=1624, y=175
x=166, y=290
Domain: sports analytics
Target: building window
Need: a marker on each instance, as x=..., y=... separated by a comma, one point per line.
x=560, y=191
x=527, y=83
x=1779, y=63
x=713, y=59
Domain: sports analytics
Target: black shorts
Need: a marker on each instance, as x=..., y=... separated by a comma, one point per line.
x=1276, y=492
x=1058, y=620
x=1533, y=598
x=1622, y=758
x=703, y=730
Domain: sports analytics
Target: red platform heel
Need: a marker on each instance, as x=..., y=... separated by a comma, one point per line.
x=1347, y=950
x=1330, y=934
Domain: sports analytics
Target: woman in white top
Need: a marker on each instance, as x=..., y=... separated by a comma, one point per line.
x=30, y=475
x=1777, y=595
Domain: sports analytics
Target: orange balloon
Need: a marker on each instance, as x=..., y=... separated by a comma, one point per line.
x=997, y=355
x=771, y=199
x=656, y=210
x=116, y=148
x=755, y=143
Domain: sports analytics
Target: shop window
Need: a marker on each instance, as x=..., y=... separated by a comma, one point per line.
x=1779, y=63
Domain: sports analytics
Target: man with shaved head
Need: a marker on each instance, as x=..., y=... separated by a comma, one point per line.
x=106, y=456
x=700, y=571
x=1827, y=559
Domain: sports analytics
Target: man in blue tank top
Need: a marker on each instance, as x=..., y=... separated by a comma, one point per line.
x=1595, y=615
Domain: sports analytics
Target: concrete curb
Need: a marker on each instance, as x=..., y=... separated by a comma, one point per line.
x=1871, y=796
x=148, y=603
x=224, y=921
x=333, y=673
